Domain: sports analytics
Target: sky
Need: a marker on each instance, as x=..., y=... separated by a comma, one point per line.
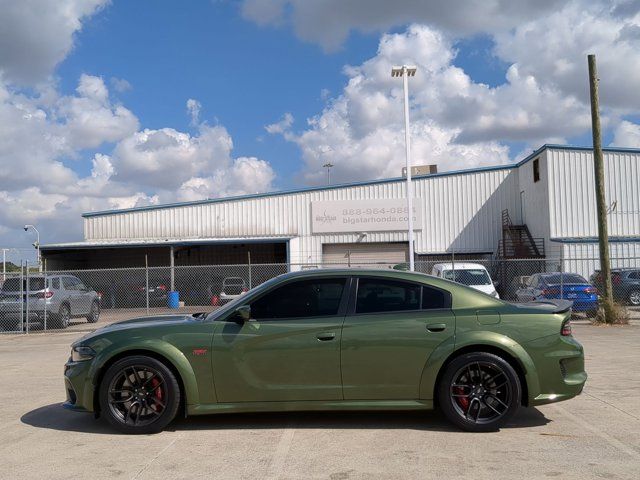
x=115, y=104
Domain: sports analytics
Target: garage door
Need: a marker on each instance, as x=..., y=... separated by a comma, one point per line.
x=383, y=255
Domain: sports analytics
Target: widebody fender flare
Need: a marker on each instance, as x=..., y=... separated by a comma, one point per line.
x=158, y=348
x=463, y=343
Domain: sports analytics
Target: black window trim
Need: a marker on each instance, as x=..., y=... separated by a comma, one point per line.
x=353, y=297
x=342, y=307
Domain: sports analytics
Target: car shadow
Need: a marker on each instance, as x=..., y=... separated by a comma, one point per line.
x=54, y=417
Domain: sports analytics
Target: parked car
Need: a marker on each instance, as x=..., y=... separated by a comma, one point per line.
x=157, y=291
x=232, y=288
x=625, y=283
x=62, y=298
x=332, y=340
x=473, y=275
x=568, y=286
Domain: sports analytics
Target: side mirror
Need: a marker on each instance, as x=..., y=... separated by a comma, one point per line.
x=241, y=314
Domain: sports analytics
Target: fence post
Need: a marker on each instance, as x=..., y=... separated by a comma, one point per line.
x=249, y=262
x=46, y=289
x=26, y=297
x=21, y=297
x=146, y=280
x=561, y=273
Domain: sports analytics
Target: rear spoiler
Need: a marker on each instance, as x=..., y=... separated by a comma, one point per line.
x=558, y=306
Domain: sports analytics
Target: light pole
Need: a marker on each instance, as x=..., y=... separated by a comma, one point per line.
x=328, y=167
x=37, y=244
x=405, y=72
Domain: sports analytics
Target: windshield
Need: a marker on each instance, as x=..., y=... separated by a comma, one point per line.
x=564, y=278
x=468, y=277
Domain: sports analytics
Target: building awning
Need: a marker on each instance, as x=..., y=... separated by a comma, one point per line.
x=156, y=242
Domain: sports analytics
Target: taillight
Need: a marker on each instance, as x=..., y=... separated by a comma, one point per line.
x=45, y=294
x=591, y=290
x=245, y=290
x=616, y=278
x=566, y=328
x=162, y=287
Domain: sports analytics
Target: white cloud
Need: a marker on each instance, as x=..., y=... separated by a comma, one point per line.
x=455, y=121
x=281, y=126
x=37, y=34
x=328, y=22
x=193, y=108
x=44, y=135
x=120, y=85
x=554, y=49
x=626, y=134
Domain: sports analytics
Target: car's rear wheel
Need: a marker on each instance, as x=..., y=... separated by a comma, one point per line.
x=94, y=313
x=479, y=392
x=634, y=297
x=63, y=317
x=139, y=394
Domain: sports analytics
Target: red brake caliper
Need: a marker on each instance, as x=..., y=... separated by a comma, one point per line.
x=462, y=401
x=158, y=391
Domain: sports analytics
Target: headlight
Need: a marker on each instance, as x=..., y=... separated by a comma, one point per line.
x=82, y=353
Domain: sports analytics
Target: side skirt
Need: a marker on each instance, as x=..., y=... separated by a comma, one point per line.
x=309, y=406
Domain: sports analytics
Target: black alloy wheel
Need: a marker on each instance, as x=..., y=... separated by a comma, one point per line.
x=139, y=394
x=479, y=392
x=64, y=316
x=94, y=313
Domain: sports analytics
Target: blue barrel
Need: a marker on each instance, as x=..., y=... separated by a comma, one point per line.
x=173, y=300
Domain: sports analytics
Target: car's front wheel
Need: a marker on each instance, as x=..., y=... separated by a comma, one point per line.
x=634, y=297
x=139, y=394
x=479, y=392
x=94, y=313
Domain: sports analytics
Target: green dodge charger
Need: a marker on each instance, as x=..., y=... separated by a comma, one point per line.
x=332, y=340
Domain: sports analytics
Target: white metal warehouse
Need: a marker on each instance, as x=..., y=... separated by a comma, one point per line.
x=551, y=192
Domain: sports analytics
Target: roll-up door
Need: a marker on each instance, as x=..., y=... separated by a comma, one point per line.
x=382, y=255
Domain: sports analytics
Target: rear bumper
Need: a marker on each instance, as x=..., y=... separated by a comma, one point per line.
x=559, y=363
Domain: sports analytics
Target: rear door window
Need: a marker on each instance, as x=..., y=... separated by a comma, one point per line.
x=377, y=295
x=69, y=283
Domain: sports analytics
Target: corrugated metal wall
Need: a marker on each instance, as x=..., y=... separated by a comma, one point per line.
x=459, y=211
x=572, y=193
x=584, y=258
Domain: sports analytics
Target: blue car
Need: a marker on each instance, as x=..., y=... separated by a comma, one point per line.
x=567, y=286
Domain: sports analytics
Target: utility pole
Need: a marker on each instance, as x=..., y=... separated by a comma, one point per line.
x=598, y=160
x=328, y=167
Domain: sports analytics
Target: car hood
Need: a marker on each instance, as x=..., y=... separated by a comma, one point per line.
x=143, y=322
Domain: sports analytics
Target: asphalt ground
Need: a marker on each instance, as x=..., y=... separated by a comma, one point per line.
x=595, y=435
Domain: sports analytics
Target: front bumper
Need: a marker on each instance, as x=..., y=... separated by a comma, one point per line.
x=559, y=363
x=78, y=386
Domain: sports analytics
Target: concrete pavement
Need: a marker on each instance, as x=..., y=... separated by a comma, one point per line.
x=593, y=436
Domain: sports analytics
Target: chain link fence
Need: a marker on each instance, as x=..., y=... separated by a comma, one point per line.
x=32, y=299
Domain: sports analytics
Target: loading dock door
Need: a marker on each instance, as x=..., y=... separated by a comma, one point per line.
x=363, y=255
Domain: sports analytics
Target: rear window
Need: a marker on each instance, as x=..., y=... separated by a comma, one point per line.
x=468, y=277
x=13, y=284
x=564, y=278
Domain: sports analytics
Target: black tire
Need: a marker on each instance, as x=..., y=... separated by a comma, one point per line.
x=634, y=298
x=63, y=317
x=592, y=313
x=493, y=387
x=94, y=313
x=155, y=404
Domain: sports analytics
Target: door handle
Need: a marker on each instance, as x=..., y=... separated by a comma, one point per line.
x=326, y=336
x=436, y=327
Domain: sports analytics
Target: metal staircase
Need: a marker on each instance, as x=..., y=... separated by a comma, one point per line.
x=517, y=241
